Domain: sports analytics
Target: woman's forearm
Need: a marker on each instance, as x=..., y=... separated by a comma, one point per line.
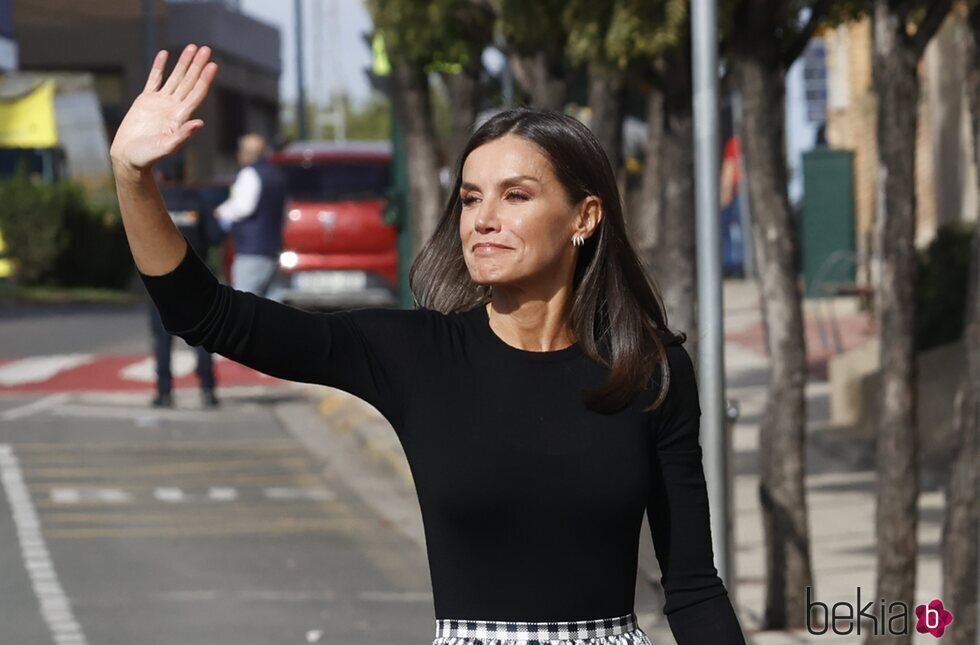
x=157, y=125
x=156, y=243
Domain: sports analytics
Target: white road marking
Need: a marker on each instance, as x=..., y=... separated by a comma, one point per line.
x=55, y=607
x=312, y=494
x=113, y=496
x=168, y=494
x=182, y=363
x=175, y=495
x=34, y=407
x=65, y=496
x=222, y=494
x=39, y=368
x=136, y=414
x=282, y=595
x=79, y=496
x=395, y=596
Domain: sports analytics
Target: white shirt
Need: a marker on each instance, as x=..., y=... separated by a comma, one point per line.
x=243, y=199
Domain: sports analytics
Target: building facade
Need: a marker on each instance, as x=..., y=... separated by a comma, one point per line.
x=946, y=179
x=113, y=40
x=8, y=46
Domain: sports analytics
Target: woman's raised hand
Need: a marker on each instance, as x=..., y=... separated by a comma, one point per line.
x=159, y=121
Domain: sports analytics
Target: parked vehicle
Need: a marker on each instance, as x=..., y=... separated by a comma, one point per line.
x=340, y=237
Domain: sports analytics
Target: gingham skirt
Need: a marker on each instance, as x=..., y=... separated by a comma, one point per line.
x=622, y=630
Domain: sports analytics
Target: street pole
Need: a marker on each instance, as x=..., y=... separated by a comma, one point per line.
x=149, y=33
x=300, y=91
x=711, y=372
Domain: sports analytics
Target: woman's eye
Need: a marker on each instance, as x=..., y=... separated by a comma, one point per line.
x=468, y=199
x=520, y=196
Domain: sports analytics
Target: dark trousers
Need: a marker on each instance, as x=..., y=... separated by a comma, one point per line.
x=162, y=346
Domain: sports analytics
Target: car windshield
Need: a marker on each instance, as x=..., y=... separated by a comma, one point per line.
x=337, y=181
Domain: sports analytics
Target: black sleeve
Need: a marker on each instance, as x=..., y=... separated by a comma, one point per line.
x=697, y=605
x=369, y=353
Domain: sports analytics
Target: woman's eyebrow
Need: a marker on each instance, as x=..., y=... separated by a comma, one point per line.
x=510, y=181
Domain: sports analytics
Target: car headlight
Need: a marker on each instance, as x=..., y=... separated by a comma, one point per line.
x=288, y=259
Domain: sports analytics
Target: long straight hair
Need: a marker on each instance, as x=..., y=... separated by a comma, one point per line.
x=617, y=313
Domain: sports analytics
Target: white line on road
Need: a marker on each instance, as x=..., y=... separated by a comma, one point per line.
x=65, y=496
x=167, y=494
x=282, y=595
x=314, y=494
x=34, y=407
x=136, y=414
x=55, y=607
x=182, y=363
x=39, y=368
x=87, y=495
x=174, y=495
x=222, y=494
x=395, y=596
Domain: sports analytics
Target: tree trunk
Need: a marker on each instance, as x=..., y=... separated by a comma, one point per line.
x=959, y=538
x=411, y=91
x=607, y=94
x=959, y=544
x=644, y=220
x=782, y=491
x=896, y=83
x=464, y=98
x=676, y=259
x=540, y=77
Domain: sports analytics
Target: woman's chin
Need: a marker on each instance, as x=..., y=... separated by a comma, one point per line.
x=489, y=278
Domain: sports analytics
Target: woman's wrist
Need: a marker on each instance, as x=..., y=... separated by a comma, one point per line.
x=125, y=172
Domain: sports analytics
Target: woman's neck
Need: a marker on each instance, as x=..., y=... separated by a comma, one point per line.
x=536, y=326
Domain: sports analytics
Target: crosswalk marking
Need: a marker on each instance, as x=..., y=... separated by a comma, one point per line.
x=174, y=495
x=222, y=494
x=54, y=604
x=311, y=494
x=34, y=407
x=39, y=368
x=183, y=362
x=114, y=373
x=77, y=496
x=168, y=494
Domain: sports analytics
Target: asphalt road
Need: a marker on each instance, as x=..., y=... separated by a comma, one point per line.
x=120, y=524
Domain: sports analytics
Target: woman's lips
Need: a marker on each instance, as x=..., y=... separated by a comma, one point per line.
x=488, y=249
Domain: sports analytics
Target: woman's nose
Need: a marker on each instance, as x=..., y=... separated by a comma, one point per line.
x=486, y=217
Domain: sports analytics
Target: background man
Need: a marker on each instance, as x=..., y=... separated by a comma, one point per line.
x=200, y=230
x=254, y=214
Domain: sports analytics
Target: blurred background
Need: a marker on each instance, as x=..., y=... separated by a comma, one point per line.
x=845, y=142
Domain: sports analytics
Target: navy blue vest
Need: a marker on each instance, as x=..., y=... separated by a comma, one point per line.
x=261, y=232
x=192, y=217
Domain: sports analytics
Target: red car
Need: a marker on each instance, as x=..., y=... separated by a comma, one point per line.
x=340, y=239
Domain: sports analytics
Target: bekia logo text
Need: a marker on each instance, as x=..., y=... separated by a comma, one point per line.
x=845, y=618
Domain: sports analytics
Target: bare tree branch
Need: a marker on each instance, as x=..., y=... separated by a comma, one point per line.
x=796, y=46
x=935, y=16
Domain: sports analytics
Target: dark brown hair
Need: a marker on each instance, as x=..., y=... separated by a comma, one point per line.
x=617, y=313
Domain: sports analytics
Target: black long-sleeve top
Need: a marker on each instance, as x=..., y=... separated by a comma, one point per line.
x=532, y=503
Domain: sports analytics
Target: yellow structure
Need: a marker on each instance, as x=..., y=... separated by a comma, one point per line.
x=28, y=121
x=6, y=265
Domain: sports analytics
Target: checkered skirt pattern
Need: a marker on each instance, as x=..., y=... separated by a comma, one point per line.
x=623, y=630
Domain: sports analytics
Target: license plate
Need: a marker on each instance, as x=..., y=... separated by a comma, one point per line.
x=330, y=281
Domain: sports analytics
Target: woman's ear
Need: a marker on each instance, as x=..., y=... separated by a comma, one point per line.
x=590, y=215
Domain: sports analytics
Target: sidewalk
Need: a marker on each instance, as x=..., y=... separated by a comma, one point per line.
x=840, y=474
x=840, y=477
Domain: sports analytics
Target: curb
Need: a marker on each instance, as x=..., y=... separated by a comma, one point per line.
x=348, y=415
